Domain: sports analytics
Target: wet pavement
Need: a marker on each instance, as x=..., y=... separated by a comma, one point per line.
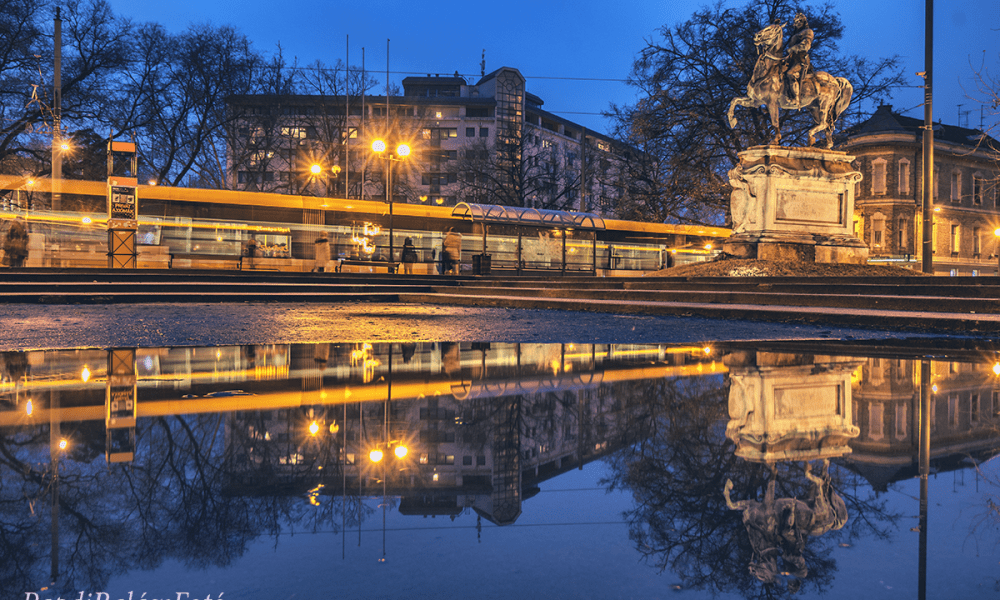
x=24, y=326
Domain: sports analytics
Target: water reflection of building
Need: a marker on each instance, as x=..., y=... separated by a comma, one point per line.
x=964, y=419
x=485, y=423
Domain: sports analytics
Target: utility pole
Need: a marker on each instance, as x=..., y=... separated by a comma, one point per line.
x=927, y=247
x=57, y=141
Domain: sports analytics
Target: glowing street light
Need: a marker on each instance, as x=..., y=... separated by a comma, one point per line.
x=380, y=148
x=313, y=428
x=375, y=455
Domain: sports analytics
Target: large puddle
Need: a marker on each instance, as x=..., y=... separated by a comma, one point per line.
x=464, y=470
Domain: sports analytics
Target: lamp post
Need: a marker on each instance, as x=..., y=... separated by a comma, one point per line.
x=996, y=234
x=381, y=149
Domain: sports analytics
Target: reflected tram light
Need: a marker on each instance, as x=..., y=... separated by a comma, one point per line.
x=29, y=407
x=85, y=374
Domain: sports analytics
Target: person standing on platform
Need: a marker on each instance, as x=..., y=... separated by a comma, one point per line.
x=250, y=250
x=15, y=245
x=409, y=256
x=322, y=245
x=452, y=252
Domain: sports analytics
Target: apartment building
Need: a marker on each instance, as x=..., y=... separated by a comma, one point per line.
x=888, y=200
x=490, y=142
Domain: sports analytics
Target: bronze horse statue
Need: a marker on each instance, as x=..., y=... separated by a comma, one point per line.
x=826, y=96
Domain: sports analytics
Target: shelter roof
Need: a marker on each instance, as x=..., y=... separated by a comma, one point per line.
x=494, y=213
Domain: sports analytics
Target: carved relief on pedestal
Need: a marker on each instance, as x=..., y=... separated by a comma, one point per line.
x=794, y=203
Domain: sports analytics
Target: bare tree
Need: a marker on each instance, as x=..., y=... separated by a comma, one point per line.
x=94, y=51
x=519, y=170
x=686, y=78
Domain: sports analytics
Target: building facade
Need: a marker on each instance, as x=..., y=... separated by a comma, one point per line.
x=887, y=214
x=490, y=142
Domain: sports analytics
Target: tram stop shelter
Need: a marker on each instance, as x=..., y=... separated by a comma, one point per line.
x=511, y=238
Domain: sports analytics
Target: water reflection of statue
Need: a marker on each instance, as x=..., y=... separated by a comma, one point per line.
x=778, y=527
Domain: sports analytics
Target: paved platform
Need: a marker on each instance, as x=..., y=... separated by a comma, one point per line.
x=969, y=305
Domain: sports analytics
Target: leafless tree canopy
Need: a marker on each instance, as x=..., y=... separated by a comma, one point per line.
x=686, y=76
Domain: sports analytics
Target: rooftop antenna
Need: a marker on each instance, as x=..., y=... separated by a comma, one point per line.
x=965, y=114
x=482, y=65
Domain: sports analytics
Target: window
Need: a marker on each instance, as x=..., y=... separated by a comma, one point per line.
x=956, y=186
x=901, y=230
x=439, y=133
x=955, y=238
x=977, y=242
x=480, y=460
x=878, y=229
x=901, y=421
x=438, y=178
x=878, y=176
x=978, y=188
x=467, y=461
x=470, y=132
x=294, y=132
x=478, y=112
x=876, y=412
x=484, y=132
x=904, y=177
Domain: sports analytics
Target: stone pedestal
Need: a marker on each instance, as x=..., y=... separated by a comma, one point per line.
x=785, y=407
x=794, y=204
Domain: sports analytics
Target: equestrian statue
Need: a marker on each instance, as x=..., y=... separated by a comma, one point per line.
x=788, y=81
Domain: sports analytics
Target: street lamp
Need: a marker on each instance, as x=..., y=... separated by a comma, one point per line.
x=996, y=234
x=381, y=149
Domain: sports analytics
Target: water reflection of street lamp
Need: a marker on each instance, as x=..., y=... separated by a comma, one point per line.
x=381, y=149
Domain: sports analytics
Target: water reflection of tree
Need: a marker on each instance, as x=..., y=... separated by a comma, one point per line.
x=169, y=503
x=680, y=520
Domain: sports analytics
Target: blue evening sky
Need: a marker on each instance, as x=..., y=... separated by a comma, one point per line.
x=584, y=39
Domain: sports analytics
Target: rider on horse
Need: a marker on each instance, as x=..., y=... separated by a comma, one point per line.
x=797, y=58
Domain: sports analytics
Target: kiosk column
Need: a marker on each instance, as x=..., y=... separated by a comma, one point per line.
x=122, y=205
